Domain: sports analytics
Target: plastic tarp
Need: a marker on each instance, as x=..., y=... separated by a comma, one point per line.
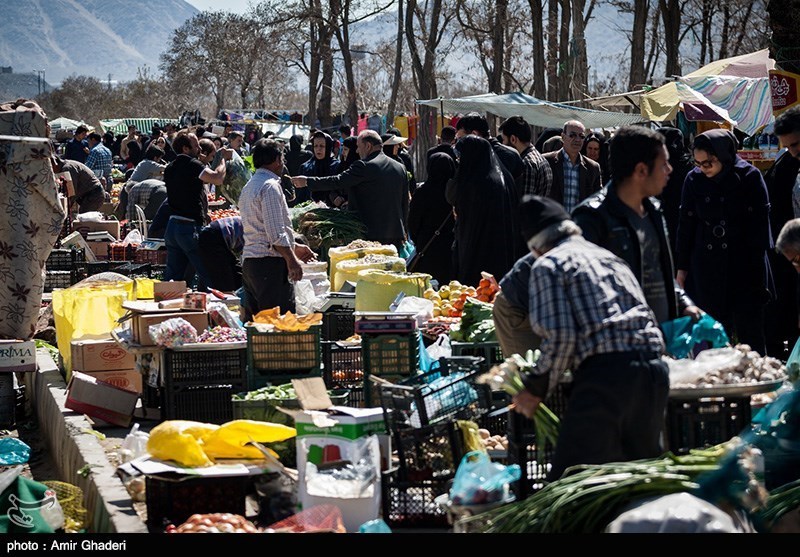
x=144, y=125
x=63, y=123
x=755, y=65
x=535, y=111
x=664, y=103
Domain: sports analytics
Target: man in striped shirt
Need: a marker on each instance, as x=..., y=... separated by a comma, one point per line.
x=593, y=318
x=270, y=259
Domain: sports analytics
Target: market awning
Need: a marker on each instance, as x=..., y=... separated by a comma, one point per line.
x=664, y=103
x=535, y=111
x=63, y=123
x=144, y=125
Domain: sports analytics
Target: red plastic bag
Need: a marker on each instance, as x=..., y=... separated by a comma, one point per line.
x=319, y=519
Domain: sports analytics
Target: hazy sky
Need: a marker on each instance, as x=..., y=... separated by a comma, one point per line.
x=237, y=6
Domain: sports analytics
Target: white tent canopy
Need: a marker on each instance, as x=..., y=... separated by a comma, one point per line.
x=536, y=112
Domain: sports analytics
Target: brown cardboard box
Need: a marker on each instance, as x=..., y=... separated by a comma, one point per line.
x=168, y=290
x=16, y=355
x=84, y=227
x=98, y=399
x=100, y=355
x=99, y=249
x=128, y=379
x=142, y=322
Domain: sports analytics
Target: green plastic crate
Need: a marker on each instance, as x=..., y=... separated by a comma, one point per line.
x=276, y=357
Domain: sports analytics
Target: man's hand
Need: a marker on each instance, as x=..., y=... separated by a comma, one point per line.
x=694, y=312
x=295, y=270
x=227, y=153
x=525, y=403
x=299, y=181
x=680, y=278
x=304, y=253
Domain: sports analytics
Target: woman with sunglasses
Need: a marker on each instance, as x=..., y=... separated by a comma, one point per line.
x=723, y=238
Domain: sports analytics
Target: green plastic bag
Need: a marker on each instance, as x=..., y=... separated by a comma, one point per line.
x=682, y=335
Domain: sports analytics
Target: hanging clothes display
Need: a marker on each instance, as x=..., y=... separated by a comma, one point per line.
x=413, y=122
x=362, y=123
x=33, y=216
x=401, y=123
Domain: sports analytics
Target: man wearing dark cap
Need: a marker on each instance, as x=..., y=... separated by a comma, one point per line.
x=593, y=318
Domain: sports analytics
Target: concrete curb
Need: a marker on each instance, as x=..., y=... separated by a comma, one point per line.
x=110, y=508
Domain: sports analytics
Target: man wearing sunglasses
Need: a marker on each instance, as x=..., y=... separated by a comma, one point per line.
x=575, y=177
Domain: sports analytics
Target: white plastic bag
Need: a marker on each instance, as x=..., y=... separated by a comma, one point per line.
x=420, y=307
x=440, y=348
x=689, y=371
x=677, y=513
x=90, y=216
x=133, y=237
x=304, y=297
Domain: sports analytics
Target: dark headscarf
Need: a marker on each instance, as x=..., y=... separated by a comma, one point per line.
x=441, y=167
x=296, y=142
x=352, y=153
x=722, y=144
x=673, y=138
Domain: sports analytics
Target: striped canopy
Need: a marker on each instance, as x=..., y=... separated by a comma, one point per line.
x=144, y=125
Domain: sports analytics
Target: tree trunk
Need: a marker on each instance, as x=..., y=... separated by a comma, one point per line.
x=564, y=61
x=638, y=37
x=706, y=48
x=671, y=17
x=580, y=72
x=652, y=58
x=340, y=21
x=498, y=45
x=398, y=64
x=737, y=47
x=324, y=112
x=315, y=60
x=537, y=27
x=552, y=50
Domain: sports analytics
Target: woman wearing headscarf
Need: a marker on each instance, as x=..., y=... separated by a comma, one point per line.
x=485, y=219
x=723, y=238
x=595, y=148
x=681, y=161
x=296, y=157
x=430, y=220
x=321, y=165
x=349, y=153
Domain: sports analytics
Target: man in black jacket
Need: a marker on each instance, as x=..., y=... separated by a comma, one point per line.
x=377, y=190
x=575, y=176
x=626, y=219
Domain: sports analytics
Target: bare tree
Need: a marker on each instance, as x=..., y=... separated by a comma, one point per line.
x=553, y=92
x=537, y=28
x=398, y=64
x=637, y=74
x=671, y=16
x=784, y=21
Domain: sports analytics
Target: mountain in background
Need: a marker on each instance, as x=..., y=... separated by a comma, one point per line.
x=87, y=37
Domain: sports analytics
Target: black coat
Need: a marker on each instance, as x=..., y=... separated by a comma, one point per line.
x=723, y=238
x=428, y=212
x=604, y=222
x=377, y=189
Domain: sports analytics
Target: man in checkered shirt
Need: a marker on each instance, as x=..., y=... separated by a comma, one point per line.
x=271, y=258
x=537, y=178
x=592, y=316
x=99, y=160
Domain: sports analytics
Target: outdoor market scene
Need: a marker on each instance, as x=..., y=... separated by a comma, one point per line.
x=488, y=313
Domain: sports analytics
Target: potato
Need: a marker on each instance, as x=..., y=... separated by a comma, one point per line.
x=484, y=433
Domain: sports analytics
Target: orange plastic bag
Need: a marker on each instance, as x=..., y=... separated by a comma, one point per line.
x=319, y=519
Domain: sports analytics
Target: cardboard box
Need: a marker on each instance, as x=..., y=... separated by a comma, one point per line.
x=74, y=239
x=84, y=227
x=142, y=322
x=97, y=399
x=168, y=290
x=100, y=355
x=128, y=379
x=17, y=355
x=99, y=249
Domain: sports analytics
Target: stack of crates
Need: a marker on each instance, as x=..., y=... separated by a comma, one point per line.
x=276, y=357
x=117, y=251
x=154, y=257
x=338, y=316
x=489, y=351
x=131, y=269
x=63, y=268
x=421, y=417
x=389, y=349
x=199, y=382
x=524, y=449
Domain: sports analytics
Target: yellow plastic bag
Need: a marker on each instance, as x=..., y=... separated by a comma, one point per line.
x=376, y=290
x=230, y=440
x=91, y=310
x=356, y=250
x=288, y=321
x=181, y=442
x=348, y=270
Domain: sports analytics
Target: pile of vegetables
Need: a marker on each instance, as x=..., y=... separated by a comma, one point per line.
x=587, y=498
x=217, y=214
x=324, y=227
x=477, y=324
x=272, y=392
x=781, y=501
x=739, y=365
x=222, y=334
x=215, y=523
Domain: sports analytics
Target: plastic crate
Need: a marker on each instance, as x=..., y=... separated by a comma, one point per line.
x=58, y=279
x=8, y=401
x=157, y=272
x=390, y=354
x=338, y=323
x=703, y=422
x=342, y=368
x=523, y=450
x=428, y=453
x=496, y=420
x=117, y=251
x=131, y=269
x=64, y=259
x=173, y=498
x=408, y=504
x=489, y=351
x=154, y=257
x=418, y=402
x=198, y=384
x=276, y=357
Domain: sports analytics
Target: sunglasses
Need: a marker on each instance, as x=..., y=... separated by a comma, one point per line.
x=704, y=164
x=573, y=135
